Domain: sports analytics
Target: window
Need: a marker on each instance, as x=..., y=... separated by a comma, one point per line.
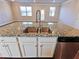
x=42, y=15
x=52, y=11
x=26, y=11
x=29, y=11
x=23, y=10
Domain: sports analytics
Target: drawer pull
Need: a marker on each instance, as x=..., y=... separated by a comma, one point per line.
x=2, y=40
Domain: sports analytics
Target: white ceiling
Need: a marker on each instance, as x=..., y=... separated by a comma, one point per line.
x=40, y=1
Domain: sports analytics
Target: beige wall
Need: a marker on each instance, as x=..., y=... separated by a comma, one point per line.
x=15, y=8
x=5, y=12
x=69, y=14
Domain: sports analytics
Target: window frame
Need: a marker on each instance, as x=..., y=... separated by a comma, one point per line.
x=42, y=14
x=26, y=12
x=53, y=12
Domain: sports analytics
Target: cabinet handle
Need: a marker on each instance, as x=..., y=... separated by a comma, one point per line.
x=8, y=49
x=2, y=40
x=36, y=45
x=41, y=45
x=5, y=46
x=41, y=50
x=24, y=50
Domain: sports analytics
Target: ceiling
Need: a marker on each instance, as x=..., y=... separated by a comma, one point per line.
x=39, y=1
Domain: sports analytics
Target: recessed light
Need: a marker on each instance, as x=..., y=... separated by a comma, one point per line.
x=12, y=0
x=54, y=1
x=34, y=0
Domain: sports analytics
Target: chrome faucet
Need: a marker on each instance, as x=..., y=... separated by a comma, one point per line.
x=38, y=15
x=38, y=19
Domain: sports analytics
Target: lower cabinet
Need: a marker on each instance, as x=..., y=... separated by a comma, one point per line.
x=29, y=50
x=46, y=46
x=28, y=47
x=38, y=46
x=9, y=50
x=46, y=49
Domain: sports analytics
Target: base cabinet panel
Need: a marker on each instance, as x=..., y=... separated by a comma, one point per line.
x=28, y=47
x=9, y=50
x=46, y=49
x=29, y=50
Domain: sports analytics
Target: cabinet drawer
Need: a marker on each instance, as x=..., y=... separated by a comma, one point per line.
x=7, y=39
x=47, y=39
x=27, y=39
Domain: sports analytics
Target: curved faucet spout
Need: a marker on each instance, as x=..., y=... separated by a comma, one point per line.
x=38, y=15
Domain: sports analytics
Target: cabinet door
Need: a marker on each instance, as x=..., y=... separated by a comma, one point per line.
x=28, y=46
x=46, y=46
x=29, y=49
x=46, y=49
x=3, y=51
x=9, y=50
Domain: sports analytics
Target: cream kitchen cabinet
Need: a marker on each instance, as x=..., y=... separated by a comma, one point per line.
x=46, y=46
x=46, y=49
x=28, y=46
x=9, y=47
x=37, y=46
